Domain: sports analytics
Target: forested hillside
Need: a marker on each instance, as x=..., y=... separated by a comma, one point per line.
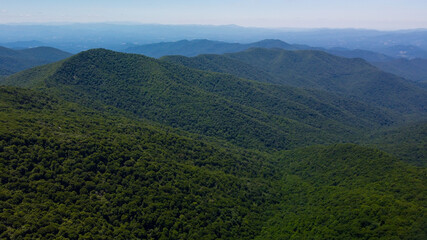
x=319, y=70
x=68, y=171
x=348, y=192
x=408, y=142
x=12, y=61
x=72, y=172
x=243, y=112
x=222, y=64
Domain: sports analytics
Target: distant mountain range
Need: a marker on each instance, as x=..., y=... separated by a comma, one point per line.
x=24, y=55
x=18, y=45
x=404, y=51
x=79, y=37
x=203, y=46
x=12, y=61
x=411, y=70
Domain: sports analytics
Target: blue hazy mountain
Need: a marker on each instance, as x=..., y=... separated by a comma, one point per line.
x=78, y=37
x=369, y=56
x=192, y=48
x=23, y=44
x=413, y=69
x=12, y=61
x=204, y=46
x=404, y=51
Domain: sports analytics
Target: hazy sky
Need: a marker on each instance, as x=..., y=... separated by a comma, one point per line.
x=378, y=14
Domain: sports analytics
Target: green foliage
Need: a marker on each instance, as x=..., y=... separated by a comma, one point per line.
x=408, y=142
x=243, y=112
x=85, y=155
x=66, y=171
x=348, y=192
x=317, y=70
x=222, y=64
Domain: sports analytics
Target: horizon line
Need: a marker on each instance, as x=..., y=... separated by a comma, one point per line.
x=208, y=25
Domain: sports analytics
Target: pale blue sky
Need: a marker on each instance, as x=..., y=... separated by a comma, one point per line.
x=376, y=14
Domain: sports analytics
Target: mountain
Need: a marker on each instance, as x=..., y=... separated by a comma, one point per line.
x=185, y=47
x=413, y=69
x=359, y=53
x=12, y=61
x=112, y=145
x=243, y=112
x=320, y=70
x=77, y=37
x=404, y=51
x=197, y=47
x=23, y=44
x=69, y=171
x=222, y=64
x=203, y=46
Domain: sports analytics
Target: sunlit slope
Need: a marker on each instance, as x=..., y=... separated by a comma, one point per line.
x=243, y=112
x=317, y=70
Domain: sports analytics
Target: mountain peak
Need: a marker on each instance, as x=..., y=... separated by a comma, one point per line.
x=270, y=41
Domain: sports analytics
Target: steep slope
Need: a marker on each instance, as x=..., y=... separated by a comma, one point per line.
x=203, y=46
x=72, y=172
x=12, y=61
x=243, y=112
x=413, y=69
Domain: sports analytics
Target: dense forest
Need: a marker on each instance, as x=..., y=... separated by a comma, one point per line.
x=106, y=145
x=318, y=70
x=243, y=112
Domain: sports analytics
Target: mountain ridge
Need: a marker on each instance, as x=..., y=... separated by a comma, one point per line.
x=413, y=69
x=175, y=96
x=318, y=70
x=204, y=46
x=12, y=61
